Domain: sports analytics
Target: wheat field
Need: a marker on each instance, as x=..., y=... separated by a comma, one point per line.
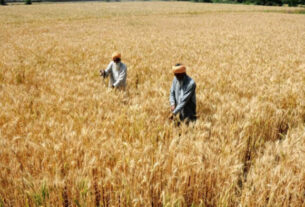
x=68, y=140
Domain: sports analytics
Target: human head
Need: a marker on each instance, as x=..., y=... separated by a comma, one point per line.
x=179, y=71
x=116, y=57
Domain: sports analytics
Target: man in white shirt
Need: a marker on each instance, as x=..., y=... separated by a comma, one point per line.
x=117, y=71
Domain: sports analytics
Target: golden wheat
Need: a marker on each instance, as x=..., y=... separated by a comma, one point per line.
x=68, y=140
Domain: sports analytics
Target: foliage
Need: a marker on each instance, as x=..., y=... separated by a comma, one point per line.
x=292, y=2
x=263, y=2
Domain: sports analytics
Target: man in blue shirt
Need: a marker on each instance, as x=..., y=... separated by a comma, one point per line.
x=183, y=95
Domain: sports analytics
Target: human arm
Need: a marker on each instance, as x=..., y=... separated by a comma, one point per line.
x=107, y=71
x=172, y=99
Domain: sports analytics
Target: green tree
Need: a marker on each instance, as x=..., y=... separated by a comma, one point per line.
x=268, y=2
x=291, y=2
x=2, y=2
x=28, y=2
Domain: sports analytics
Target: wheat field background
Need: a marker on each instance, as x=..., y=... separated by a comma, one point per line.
x=68, y=140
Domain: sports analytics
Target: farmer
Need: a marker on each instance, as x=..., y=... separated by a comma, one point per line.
x=117, y=71
x=183, y=95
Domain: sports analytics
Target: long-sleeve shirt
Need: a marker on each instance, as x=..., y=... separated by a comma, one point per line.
x=117, y=76
x=183, y=97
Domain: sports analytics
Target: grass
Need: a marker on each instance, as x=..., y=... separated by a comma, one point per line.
x=66, y=139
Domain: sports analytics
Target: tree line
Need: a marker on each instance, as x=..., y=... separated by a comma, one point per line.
x=257, y=2
x=4, y=2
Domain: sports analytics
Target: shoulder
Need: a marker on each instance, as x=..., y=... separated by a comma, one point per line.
x=124, y=66
x=111, y=64
x=174, y=80
x=191, y=82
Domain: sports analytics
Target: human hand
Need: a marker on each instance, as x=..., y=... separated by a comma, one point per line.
x=173, y=107
x=103, y=73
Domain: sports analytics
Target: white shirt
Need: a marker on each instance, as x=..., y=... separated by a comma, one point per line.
x=117, y=77
x=116, y=71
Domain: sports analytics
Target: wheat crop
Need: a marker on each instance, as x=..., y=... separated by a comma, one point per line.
x=68, y=140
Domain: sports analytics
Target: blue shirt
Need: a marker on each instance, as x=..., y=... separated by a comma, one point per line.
x=183, y=97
